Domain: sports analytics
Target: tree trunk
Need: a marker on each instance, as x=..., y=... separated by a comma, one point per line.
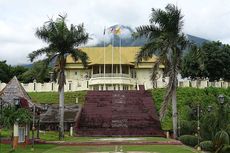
x=174, y=112
x=61, y=111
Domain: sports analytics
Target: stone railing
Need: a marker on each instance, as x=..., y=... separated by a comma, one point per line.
x=110, y=75
x=194, y=83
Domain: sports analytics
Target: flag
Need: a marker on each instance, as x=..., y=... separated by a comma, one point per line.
x=104, y=31
x=115, y=30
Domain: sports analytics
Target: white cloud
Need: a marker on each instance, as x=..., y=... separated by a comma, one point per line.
x=19, y=19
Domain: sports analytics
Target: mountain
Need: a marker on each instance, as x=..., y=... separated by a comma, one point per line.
x=27, y=65
x=196, y=40
x=127, y=39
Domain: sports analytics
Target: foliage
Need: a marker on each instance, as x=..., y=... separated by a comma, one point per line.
x=221, y=138
x=166, y=40
x=39, y=68
x=11, y=115
x=18, y=71
x=24, y=74
x=4, y=72
x=188, y=98
x=189, y=140
x=211, y=60
x=193, y=64
x=206, y=145
x=225, y=149
x=188, y=127
x=62, y=41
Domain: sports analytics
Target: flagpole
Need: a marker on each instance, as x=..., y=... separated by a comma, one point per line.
x=120, y=63
x=112, y=59
x=104, y=59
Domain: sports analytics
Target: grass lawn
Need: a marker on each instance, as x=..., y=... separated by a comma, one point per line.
x=85, y=149
x=37, y=149
x=53, y=136
x=52, y=97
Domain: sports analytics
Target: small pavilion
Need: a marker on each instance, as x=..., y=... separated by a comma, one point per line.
x=15, y=94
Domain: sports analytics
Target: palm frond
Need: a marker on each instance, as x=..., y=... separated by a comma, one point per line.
x=32, y=56
x=79, y=54
x=155, y=70
x=147, y=31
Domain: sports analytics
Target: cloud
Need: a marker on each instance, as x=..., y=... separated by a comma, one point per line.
x=19, y=19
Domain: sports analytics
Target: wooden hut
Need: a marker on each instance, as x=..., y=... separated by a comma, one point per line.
x=15, y=94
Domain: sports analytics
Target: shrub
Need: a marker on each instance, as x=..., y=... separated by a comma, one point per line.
x=225, y=149
x=189, y=140
x=188, y=127
x=221, y=138
x=206, y=145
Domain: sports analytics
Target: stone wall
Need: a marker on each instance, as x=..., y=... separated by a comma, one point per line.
x=82, y=85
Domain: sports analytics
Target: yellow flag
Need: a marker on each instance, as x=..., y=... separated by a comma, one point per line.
x=117, y=31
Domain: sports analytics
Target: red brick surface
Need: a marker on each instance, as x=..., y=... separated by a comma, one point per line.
x=114, y=113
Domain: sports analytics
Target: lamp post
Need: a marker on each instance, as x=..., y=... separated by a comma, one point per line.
x=209, y=108
x=221, y=99
x=17, y=102
x=198, y=127
x=33, y=128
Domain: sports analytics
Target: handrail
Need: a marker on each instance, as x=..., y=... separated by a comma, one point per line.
x=111, y=75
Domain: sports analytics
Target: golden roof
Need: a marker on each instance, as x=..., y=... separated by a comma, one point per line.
x=96, y=55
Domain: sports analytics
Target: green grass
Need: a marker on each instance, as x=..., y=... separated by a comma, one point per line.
x=53, y=136
x=52, y=97
x=85, y=149
x=37, y=148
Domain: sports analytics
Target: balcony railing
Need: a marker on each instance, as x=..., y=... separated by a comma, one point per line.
x=111, y=75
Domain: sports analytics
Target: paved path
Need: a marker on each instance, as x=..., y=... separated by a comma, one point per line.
x=104, y=143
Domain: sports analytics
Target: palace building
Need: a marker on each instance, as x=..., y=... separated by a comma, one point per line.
x=110, y=68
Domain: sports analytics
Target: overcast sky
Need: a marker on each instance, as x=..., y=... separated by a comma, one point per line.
x=19, y=19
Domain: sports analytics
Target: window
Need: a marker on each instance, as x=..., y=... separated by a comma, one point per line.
x=75, y=73
x=21, y=134
x=70, y=85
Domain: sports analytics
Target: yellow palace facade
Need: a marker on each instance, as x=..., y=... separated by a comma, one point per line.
x=109, y=68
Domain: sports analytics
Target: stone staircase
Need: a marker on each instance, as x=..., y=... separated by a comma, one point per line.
x=118, y=113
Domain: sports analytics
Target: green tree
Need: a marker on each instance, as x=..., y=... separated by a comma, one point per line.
x=62, y=41
x=5, y=74
x=211, y=60
x=166, y=40
x=193, y=64
x=40, y=69
x=217, y=60
x=11, y=115
x=18, y=72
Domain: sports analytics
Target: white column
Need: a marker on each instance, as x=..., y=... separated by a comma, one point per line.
x=71, y=131
x=16, y=130
x=99, y=69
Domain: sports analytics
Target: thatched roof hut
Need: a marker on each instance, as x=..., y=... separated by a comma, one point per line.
x=15, y=90
x=52, y=114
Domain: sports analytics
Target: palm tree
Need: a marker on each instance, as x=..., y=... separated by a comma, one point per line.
x=164, y=39
x=62, y=41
